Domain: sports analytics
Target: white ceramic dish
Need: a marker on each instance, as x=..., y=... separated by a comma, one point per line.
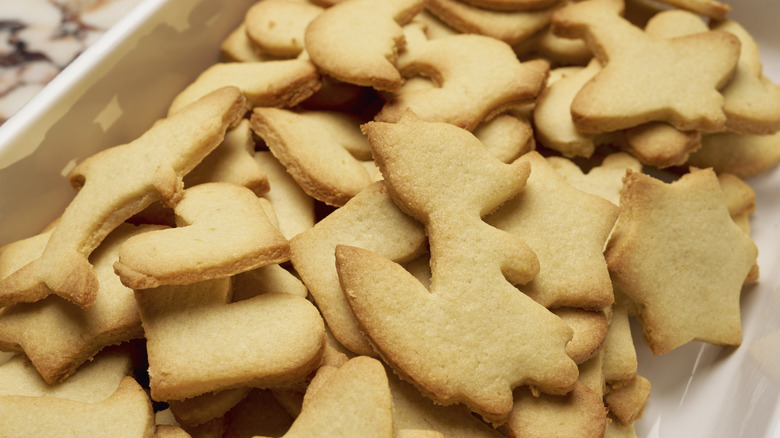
x=114, y=91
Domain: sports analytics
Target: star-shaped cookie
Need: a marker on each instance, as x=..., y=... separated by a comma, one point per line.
x=57, y=336
x=677, y=253
x=567, y=229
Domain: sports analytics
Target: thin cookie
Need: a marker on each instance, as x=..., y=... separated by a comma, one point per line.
x=357, y=41
x=752, y=100
x=258, y=414
x=237, y=47
x=294, y=208
x=464, y=66
x=580, y=413
x=277, y=27
x=589, y=328
x=370, y=220
x=265, y=279
x=127, y=413
x=710, y=8
x=281, y=83
x=512, y=5
x=270, y=340
x=412, y=410
x=604, y=180
x=558, y=50
x=627, y=401
x=202, y=408
x=430, y=328
x=507, y=136
x=739, y=154
x=681, y=236
x=620, y=361
x=315, y=157
x=681, y=86
x=553, y=123
x=512, y=27
x=93, y=382
x=352, y=400
x=232, y=162
x=58, y=337
x=223, y=230
x=567, y=231
x=660, y=144
x=115, y=184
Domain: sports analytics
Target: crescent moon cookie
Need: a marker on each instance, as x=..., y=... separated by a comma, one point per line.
x=464, y=66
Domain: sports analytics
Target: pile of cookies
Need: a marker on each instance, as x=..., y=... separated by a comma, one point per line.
x=409, y=218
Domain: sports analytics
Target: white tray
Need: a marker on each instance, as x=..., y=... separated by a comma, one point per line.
x=120, y=85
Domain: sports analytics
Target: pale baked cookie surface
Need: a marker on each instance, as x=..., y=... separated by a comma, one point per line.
x=657, y=256
x=357, y=41
x=567, y=229
x=115, y=184
x=223, y=230
x=665, y=75
x=467, y=255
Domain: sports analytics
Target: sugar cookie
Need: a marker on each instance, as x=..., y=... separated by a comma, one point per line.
x=277, y=27
x=681, y=87
x=370, y=220
x=105, y=200
x=420, y=348
x=59, y=337
x=512, y=27
x=294, y=208
x=276, y=339
x=464, y=66
x=567, y=231
x=282, y=83
x=676, y=247
x=127, y=413
x=315, y=157
x=233, y=162
x=352, y=400
x=357, y=41
x=223, y=231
